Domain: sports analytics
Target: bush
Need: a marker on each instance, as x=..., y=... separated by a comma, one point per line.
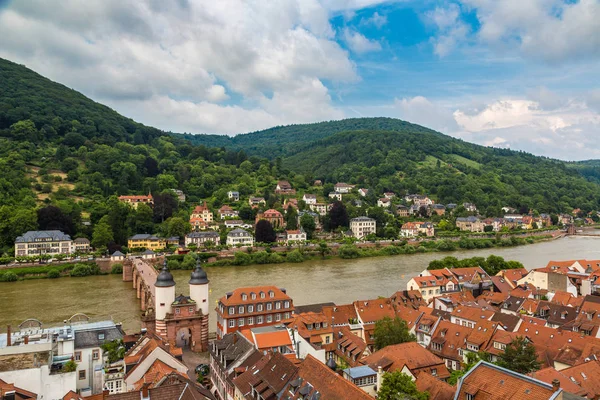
x=189, y=262
x=241, y=258
x=173, y=264
x=53, y=274
x=117, y=269
x=70, y=366
x=295, y=256
x=84, y=270
x=348, y=251
x=8, y=277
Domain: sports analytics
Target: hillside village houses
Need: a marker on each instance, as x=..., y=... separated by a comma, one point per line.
x=343, y=188
x=35, y=243
x=362, y=226
x=239, y=237
x=135, y=200
x=227, y=212
x=309, y=198
x=233, y=195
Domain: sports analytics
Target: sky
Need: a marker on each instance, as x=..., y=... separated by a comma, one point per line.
x=519, y=74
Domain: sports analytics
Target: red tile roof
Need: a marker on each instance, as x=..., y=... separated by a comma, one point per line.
x=412, y=355
x=235, y=298
x=489, y=382
x=586, y=375
x=374, y=310
x=437, y=389
x=20, y=393
x=550, y=374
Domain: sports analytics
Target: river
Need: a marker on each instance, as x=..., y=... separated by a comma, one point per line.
x=336, y=280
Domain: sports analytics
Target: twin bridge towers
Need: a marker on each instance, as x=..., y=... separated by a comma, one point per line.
x=182, y=320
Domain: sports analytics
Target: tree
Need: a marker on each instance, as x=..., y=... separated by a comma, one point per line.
x=103, y=234
x=324, y=249
x=391, y=331
x=142, y=219
x=338, y=216
x=307, y=222
x=164, y=205
x=177, y=226
x=264, y=232
x=291, y=218
x=53, y=218
x=399, y=386
x=520, y=356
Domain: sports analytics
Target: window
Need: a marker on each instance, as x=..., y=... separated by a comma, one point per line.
x=191, y=309
x=286, y=304
x=253, y=296
x=250, y=309
x=259, y=319
x=250, y=320
x=244, y=297
x=287, y=315
x=269, y=318
x=232, y=323
x=278, y=317
x=262, y=295
x=177, y=311
x=269, y=306
x=277, y=305
x=317, y=325
x=434, y=371
x=470, y=396
x=95, y=354
x=231, y=310
x=241, y=309
x=327, y=339
x=81, y=374
x=101, y=336
x=271, y=294
x=77, y=356
x=241, y=322
x=259, y=307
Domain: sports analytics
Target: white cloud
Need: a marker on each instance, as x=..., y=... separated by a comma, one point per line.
x=550, y=30
x=566, y=132
x=420, y=110
x=358, y=43
x=191, y=53
x=377, y=20
x=451, y=30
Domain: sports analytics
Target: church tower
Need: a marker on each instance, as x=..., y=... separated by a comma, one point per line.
x=199, y=288
x=164, y=298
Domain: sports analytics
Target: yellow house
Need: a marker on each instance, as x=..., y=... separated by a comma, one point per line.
x=146, y=241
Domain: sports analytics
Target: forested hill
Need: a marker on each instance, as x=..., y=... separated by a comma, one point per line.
x=281, y=141
x=60, y=113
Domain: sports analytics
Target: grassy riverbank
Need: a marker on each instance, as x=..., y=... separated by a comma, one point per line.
x=54, y=271
x=352, y=251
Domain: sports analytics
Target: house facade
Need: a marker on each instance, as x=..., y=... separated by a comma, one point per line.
x=35, y=243
x=252, y=307
x=134, y=201
x=239, y=237
x=146, y=241
x=362, y=226
x=201, y=238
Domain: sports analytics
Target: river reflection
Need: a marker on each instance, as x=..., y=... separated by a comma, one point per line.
x=336, y=280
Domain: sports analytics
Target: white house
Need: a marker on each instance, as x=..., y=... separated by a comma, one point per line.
x=384, y=202
x=200, y=238
x=295, y=236
x=310, y=198
x=233, y=196
x=35, y=243
x=342, y=187
x=241, y=237
x=319, y=208
x=362, y=226
x=363, y=192
x=335, y=195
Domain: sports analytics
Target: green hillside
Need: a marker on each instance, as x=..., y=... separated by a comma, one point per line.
x=281, y=141
x=59, y=148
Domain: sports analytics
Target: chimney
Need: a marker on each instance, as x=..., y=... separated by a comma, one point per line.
x=26, y=339
x=8, y=337
x=145, y=393
x=555, y=385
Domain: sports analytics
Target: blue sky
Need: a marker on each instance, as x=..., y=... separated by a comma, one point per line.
x=508, y=73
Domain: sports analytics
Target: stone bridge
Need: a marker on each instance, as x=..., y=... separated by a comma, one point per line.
x=143, y=275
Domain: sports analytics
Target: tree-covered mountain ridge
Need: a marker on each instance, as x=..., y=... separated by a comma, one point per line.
x=100, y=153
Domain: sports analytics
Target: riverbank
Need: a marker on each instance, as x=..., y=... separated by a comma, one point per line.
x=251, y=256
x=307, y=253
x=314, y=281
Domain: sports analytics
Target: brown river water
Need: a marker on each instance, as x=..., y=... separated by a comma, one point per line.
x=336, y=280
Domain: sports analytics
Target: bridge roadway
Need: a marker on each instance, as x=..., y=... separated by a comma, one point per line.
x=144, y=279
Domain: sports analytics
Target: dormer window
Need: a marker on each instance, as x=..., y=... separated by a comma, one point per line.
x=244, y=297
x=262, y=295
x=253, y=296
x=101, y=336
x=271, y=294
